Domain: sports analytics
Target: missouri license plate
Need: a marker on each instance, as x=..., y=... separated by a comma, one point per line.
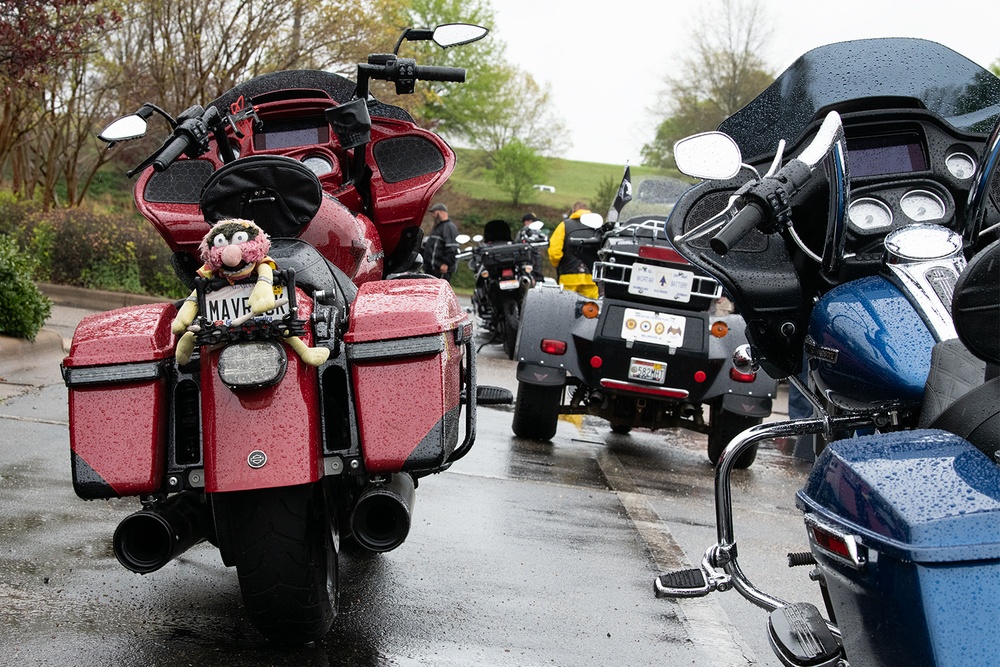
x=647, y=370
x=230, y=303
x=651, y=327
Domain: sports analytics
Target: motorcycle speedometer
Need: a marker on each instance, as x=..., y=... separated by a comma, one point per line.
x=252, y=365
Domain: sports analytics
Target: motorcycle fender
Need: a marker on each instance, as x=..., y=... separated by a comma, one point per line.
x=260, y=438
x=760, y=391
x=553, y=313
x=540, y=375
x=750, y=406
x=118, y=380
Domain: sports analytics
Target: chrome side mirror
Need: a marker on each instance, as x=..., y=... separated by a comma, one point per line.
x=455, y=34
x=709, y=155
x=123, y=129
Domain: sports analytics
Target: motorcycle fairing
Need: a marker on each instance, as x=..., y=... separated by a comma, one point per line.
x=759, y=274
x=405, y=352
x=407, y=166
x=117, y=374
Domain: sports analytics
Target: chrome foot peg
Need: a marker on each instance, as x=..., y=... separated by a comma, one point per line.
x=682, y=584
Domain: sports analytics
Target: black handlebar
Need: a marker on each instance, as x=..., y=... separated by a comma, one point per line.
x=434, y=73
x=734, y=231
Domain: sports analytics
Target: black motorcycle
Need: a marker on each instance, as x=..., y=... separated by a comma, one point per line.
x=505, y=268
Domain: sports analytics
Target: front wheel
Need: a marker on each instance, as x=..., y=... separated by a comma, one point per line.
x=723, y=427
x=285, y=551
x=536, y=411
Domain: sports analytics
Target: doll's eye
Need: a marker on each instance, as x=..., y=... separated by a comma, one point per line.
x=240, y=237
x=220, y=241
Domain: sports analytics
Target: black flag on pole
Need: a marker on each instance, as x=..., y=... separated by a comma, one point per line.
x=624, y=195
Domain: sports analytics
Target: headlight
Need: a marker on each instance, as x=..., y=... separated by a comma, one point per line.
x=253, y=364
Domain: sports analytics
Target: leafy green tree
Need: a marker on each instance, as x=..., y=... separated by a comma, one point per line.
x=516, y=167
x=722, y=73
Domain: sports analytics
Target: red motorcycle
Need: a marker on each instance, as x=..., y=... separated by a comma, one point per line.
x=275, y=458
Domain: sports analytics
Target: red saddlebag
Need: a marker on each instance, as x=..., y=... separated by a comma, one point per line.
x=117, y=374
x=405, y=346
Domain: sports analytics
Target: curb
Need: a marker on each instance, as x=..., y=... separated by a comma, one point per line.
x=79, y=297
x=74, y=297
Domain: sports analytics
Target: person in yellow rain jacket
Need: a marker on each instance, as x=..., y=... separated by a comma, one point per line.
x=572, y=266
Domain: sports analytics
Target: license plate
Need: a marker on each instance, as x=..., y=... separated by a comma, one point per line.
x=651, y=327
x=229, y=303
x=647, y=370
x=509, y=284
x=660, y=283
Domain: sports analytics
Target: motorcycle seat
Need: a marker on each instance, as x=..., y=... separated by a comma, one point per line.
x=313, y=271
x=975, y=415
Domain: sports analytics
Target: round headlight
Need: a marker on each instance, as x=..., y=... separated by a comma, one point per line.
x=253, y=364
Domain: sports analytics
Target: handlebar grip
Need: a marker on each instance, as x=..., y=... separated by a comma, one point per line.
x=172, y=149
x=734, y=231
x=434, y=73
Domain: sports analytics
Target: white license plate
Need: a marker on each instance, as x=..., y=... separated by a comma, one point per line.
x=660, y=283
x=651, y=327
x=509, y=284
x=230, y=303
x=647, y=370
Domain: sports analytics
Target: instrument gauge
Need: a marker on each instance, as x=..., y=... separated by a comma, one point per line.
x=318, y=165
x=960, y=165
x=867, y=214
x=922, y=206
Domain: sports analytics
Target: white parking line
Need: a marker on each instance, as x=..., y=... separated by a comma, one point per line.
x=704, y=620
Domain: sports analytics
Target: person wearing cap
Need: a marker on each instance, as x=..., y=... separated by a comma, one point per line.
x=572, y=268
x=441, y=245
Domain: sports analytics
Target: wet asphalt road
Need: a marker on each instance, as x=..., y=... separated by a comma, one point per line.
x=523, y=553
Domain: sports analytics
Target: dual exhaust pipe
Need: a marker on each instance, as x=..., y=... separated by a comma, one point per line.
x=152, y=537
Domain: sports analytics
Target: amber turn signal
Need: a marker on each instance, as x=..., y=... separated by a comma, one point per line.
x=720, y=329
x=590, y=310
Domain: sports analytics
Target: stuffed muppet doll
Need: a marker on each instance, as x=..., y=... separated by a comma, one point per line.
x=237, y=250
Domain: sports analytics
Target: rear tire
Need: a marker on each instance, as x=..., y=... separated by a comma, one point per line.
x=723, y=427
x=285, y=552
x=536, y=411
x=511, y=318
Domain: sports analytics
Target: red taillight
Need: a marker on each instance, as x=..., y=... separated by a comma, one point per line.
x=596, y=362
x=662, y=253
x=550, y=346
x=508, y=273
x=832, y=543
x=736, y=376
x=700, y=376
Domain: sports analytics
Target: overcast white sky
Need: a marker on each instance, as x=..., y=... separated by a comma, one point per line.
x=606, y=62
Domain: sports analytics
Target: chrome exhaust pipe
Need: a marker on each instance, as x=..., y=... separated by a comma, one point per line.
x=152, y=537
x=380, y=520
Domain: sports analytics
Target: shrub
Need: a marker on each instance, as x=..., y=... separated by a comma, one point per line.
x=107, y=251
x=23, y=309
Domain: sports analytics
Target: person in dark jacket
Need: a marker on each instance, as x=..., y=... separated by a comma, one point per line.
x=441, y=245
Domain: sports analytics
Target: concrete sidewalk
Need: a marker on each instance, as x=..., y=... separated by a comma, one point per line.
x=25, y=365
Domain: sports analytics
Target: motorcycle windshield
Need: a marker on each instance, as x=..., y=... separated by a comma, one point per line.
x=927, y=73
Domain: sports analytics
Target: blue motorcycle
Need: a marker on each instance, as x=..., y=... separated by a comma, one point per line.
x=869, y=264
